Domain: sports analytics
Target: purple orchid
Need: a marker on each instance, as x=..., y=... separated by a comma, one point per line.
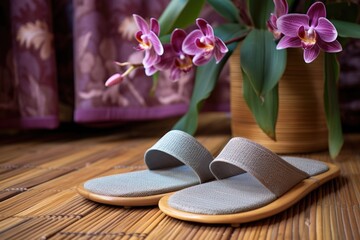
x=149, y=42
x=203, y=44
x=281, y=8
x=311, y=31
x=174, y=58
x=114, y=79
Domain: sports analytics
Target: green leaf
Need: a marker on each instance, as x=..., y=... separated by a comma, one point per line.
x=225, y=8
x=260, y=11
x=264, y=112
x=347, y=29
x=331, y=102
x=292, y=5
x=261, y=61
x=179, y=14
x=230, y=31
x=206, y=78
x=165, y=38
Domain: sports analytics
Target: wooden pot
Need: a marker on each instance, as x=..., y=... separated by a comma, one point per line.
x=301, y=125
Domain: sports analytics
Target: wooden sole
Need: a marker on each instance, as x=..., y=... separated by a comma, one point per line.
x=121, y=201
x=285, y=201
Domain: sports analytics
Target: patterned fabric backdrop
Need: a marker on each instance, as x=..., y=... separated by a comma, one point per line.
x=55, y=56
x=28, y=93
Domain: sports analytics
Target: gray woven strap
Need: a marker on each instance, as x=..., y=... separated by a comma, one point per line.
x=176, y=148
x=242, y=155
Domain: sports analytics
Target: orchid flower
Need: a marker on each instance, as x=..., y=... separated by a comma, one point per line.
x=311, y=31
x=203, y=44
x=118, y=78
x=114, y=79
x=149, y=42
x=174, y=58
x=281, y=8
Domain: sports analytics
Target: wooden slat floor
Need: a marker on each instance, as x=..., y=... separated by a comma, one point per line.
x=39, y=171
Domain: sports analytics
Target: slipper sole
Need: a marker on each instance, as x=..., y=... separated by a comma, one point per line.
x=170, y=168
x=282, y=203
x=121, y=201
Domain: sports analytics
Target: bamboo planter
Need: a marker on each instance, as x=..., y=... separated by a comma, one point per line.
x=301, y=125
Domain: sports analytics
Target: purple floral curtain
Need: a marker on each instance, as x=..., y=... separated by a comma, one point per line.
x=28, y=83
x=56, y=55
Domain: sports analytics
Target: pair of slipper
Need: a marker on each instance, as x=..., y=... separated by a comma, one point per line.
x=245, y=182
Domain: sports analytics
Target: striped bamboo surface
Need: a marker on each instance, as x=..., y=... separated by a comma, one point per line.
x=40, y=169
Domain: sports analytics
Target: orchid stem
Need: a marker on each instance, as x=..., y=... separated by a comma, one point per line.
x=123, y=64
x=129, y=70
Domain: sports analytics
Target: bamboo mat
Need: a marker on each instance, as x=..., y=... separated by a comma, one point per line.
x=39, y=171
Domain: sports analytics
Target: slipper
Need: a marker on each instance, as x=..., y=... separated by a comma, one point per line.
x=253, y=183
x=175, y=162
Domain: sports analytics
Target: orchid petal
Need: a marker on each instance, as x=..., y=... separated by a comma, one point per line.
x=147, y=61
x=281, y=7
x=150, y=59
x=150, y=71
x=271, y=25
x=272, y=21
x=311, y=54
x=218, y=55
x=326, y=30
x=289, y=42
x=290, y=23
x=154, y=26
x=202, y=59
x=210, y=32
x=158, y=47
x=189, y=47
x=141, y=23
x=138, y=36
x=301, y=32
x=221, y=45
x=167, y=59
x=331, y=47
x=201, y=44
x=138, y=48
x=205, y=28
x=114, y=79
x=177, y=38
x=307, y=40
x=316, y=11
